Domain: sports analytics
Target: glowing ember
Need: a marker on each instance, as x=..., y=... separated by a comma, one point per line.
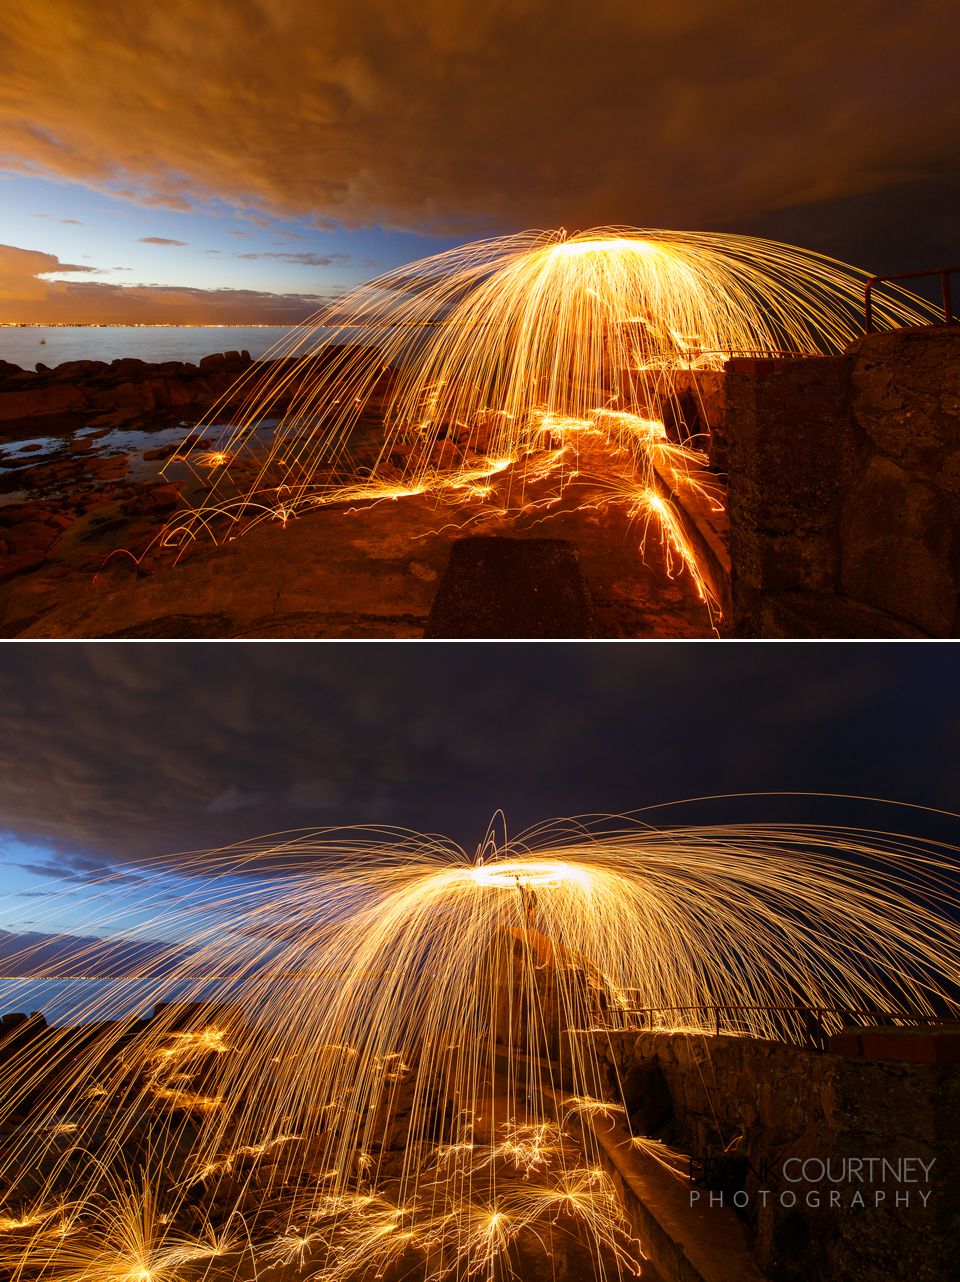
x=513, y=873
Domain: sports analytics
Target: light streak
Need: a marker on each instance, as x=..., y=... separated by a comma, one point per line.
x=476, y=363
x=393, y=1053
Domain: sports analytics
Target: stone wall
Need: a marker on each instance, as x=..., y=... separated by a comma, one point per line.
x=747, y=1106
x=844, y=489
x=697, y=411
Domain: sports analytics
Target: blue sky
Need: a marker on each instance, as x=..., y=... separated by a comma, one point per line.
x=117, y=241
x=45, y=891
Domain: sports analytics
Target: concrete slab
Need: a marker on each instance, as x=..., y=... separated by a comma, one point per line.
x=370, y=572
x=505, y=587
x=684, y=1243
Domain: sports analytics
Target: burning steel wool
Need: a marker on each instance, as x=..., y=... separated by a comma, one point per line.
x=373, y=1055
x=473, y=376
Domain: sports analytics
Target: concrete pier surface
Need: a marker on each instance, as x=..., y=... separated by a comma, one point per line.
x=335, y=572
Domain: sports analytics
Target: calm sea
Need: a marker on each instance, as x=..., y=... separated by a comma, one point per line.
x=56, y=344
x=76, y=1001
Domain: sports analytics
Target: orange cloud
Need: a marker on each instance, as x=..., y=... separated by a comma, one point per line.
x=22, y=270
x=26, y=296
x=454, y=115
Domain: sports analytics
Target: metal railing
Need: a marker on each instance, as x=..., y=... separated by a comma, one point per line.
x=943, y=272
x=812, y=1023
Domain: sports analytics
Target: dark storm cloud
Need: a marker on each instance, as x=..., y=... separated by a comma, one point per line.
x=115, y=752
x=459, y=115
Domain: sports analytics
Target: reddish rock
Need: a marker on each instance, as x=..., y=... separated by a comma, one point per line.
x=129, y=396
x=153, y=500
x=175, y=392
x=40, y=402
x=107, y=468
x=73, y=370
x=28, y=533
x=115, y=418
x=167, y=451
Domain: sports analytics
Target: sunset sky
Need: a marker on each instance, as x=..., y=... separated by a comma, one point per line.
x=243, y=160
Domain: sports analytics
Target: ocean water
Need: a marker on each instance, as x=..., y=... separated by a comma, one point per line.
x=78, y=1001
x=52, y=345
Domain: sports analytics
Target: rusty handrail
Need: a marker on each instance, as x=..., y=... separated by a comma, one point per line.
x=811, y=1017
x=943, y=272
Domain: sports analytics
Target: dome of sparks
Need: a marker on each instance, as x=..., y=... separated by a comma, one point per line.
x=471, y=376
x=361, y=1063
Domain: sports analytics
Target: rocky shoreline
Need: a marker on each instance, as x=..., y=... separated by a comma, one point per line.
x=123, y=389
x=76, y=441
x=90, y=473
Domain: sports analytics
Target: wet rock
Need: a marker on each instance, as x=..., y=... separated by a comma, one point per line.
x=106, y=468
x=66, y=471
x=82, y=443
x=153, y=500
x=116, y=418
x=194, y=439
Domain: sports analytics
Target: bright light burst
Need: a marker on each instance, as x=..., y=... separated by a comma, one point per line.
x=392, y=1059
x=473, y=375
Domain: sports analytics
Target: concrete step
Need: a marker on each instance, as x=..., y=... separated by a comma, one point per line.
x=684, y=1243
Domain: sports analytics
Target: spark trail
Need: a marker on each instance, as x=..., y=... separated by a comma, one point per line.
x=464, y=376
x=381, y=1047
